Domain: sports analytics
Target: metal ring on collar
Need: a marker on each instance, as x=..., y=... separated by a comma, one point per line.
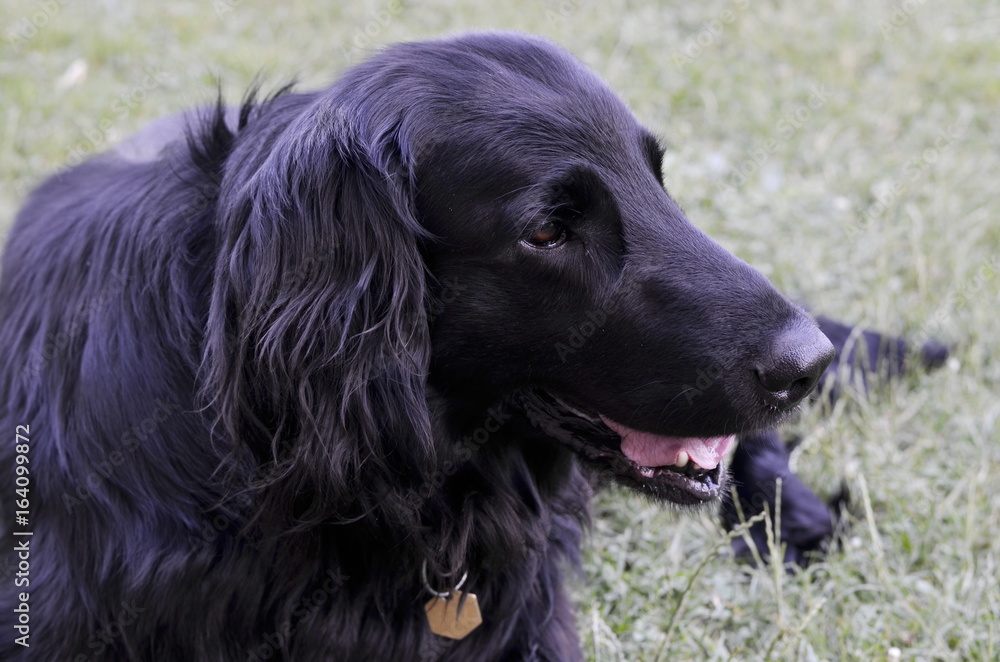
x=446, y=594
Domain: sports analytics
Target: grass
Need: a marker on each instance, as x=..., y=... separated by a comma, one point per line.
x=847, y=149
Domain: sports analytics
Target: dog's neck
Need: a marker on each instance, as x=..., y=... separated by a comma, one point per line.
x=500, y=490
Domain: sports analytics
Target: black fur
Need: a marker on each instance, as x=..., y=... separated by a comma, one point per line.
x=274, y=363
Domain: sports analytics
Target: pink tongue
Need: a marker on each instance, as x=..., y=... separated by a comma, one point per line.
x=650, y=450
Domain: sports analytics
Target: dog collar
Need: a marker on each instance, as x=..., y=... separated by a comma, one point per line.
x=451, y=613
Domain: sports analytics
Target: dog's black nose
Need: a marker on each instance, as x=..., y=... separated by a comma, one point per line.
x=798, y=356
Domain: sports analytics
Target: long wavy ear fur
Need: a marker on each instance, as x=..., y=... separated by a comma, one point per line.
x=317, y=347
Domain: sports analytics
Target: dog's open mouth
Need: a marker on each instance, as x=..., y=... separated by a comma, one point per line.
x=684, y=470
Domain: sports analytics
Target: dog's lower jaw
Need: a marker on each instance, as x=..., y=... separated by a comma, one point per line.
x=599, y=448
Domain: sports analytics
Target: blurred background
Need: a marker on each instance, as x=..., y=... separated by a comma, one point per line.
x=850, y=150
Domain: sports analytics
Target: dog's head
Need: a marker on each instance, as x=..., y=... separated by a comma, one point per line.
x=497, y=227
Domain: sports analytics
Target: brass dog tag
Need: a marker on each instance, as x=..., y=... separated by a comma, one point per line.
x=445, y=618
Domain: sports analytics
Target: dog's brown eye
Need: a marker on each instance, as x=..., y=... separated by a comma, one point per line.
x=548, y=235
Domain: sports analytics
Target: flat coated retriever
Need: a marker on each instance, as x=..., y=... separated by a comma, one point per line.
x=281, y=371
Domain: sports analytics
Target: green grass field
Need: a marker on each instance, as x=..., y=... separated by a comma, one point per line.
x=849, y=150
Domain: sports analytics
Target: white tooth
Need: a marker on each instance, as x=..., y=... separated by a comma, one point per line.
x=682, y=460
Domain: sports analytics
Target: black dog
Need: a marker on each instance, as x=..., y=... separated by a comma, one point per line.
x=268, y=369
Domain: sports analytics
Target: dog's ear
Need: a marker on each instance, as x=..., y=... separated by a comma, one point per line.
x=318, y=348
